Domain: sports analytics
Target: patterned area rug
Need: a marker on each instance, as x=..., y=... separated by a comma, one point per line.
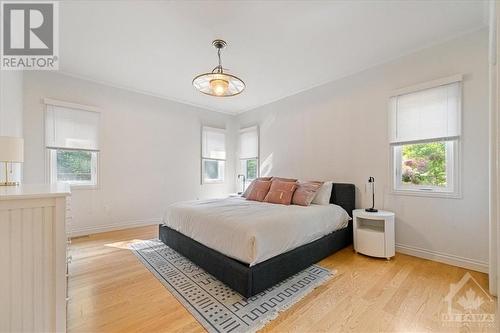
x=217, y=307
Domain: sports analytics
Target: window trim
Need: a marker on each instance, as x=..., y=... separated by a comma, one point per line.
x=457, y=163
x=48, y=154
x=427, y=85
x=243, y=130
x=203, y=158
x=454, y=168
x=247, y=180
x=50, y=170
x=70, y=105
x=203, y=181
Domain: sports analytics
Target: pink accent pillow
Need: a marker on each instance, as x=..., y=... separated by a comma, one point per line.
x=305, y=193
x=259, y=190
x=280, y=192
x=250, y=187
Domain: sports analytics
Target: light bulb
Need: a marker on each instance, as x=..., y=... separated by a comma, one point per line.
x=219, y=86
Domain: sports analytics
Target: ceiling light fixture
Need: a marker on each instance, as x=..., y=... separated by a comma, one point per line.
x=217, y=83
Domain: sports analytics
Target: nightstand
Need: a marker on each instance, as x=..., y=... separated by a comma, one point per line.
x=374, y=233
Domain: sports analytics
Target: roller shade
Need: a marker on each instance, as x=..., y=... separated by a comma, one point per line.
x=249, y=143
x=69, y=128
x=213, y=143
x=429, y=114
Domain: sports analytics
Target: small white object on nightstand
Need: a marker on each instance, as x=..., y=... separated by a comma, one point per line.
x=374, y=233
x=232, y=195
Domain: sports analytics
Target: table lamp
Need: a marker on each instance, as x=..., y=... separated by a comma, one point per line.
x=371, y=180
x=243, y=183
x=11, y=151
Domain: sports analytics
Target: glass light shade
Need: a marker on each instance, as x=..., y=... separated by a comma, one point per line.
x=218, y=84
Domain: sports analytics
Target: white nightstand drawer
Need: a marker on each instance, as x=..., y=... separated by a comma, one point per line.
x=371, y=242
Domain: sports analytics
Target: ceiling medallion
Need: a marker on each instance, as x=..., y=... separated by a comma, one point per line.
x=217, y=83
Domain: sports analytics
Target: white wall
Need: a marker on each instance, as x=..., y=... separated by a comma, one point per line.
x=11, y=113
x=150, y=151
x=339, y=131
x=11, y=103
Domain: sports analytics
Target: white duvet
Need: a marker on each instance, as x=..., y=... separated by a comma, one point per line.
x=252, y=231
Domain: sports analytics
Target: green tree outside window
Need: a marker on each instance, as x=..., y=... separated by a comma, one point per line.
x=424, y=164
x=74, y=165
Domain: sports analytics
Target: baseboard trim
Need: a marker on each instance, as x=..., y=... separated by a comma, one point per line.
x=445, y=258
x=76, y=232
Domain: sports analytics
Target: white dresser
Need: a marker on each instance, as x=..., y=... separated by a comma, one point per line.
x=33, y=257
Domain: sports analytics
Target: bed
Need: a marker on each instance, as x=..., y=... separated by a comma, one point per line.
x=251, y=246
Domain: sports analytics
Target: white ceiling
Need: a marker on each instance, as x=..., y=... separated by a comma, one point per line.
x=277, y=48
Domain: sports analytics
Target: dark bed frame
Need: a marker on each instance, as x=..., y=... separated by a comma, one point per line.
x=250, y=280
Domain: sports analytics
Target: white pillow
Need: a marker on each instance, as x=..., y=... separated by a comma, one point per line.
x=324, y=193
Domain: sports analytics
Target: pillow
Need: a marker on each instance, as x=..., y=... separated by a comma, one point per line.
x=305, y=192
x=280, y=192
x=249, y=188
x=324, y=193
x=287, y=180
x=259, y=190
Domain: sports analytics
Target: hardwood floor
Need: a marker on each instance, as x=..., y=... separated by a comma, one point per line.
x=111, y=291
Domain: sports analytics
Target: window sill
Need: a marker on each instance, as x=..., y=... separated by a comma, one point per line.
x=431, y=194
x=210, y=183
x=83, y=187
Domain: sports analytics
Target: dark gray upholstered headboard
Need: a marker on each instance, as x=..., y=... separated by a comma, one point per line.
x=344, y=195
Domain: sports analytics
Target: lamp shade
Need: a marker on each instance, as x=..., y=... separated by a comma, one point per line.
x=11, y=149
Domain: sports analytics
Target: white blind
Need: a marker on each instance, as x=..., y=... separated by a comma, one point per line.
x=433, y=113
x=69, y=128
x=213, y=143
x=249, y=142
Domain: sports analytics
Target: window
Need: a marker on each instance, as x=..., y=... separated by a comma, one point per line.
x=249, y=153
x=249, y=168
x=425, y=166
x=425, y=125
x=72, y=142
x=213, y=155
x=75, y=167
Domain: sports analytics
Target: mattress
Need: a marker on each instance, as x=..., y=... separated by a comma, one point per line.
x=251, y=231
